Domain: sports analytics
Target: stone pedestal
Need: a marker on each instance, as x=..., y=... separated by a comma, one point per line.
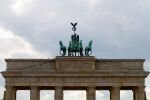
x=75, y=64
x=34, y=93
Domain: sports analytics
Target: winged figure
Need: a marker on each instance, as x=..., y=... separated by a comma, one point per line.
x=74, y=24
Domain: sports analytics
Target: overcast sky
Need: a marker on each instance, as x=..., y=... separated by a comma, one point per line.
x=32, y=29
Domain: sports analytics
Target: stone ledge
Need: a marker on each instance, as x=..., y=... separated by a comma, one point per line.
x=74, y=84
x=26, y=60
x=75, y=58
x=95, y=74
x=120, y=60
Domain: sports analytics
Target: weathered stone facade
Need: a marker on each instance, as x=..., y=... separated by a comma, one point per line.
x=77, y=73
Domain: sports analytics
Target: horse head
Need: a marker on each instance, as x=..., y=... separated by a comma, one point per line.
x=90, y=44
x=60, y=43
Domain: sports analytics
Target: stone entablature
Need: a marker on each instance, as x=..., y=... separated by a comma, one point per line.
x=30, y=64
x=77, y=64
x=75, y=73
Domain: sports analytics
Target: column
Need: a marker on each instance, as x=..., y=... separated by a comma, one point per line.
x=4, y=96
x=34, y=93
x=90, y=93
x=10, y=93
x=58, y=93
x=115, y=93
x=139, y=93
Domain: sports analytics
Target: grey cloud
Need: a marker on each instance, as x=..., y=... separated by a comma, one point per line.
x=1, y=80
x=119, y=29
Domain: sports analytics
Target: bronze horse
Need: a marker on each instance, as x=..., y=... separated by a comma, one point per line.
x=88, y=49
x=62, y=48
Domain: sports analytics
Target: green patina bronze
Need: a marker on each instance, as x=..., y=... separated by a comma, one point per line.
x=88, y=49
x=62, y=48
x=75, y=47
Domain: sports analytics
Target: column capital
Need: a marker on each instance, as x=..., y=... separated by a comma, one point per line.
x=91, y=86
x=142, y=86
x=58, y=87
x=138, y=88
x=34, y=87
x=116, y=86
x=10, y=87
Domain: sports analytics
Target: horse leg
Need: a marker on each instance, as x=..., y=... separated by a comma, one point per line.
x=68, y=52
x=63, y=53
x=71, y=53
x=60, y=52
x=81, y=51
x=86, y=53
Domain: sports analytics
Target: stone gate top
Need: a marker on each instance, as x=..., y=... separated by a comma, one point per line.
x=76, y=64
x=75, y=73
